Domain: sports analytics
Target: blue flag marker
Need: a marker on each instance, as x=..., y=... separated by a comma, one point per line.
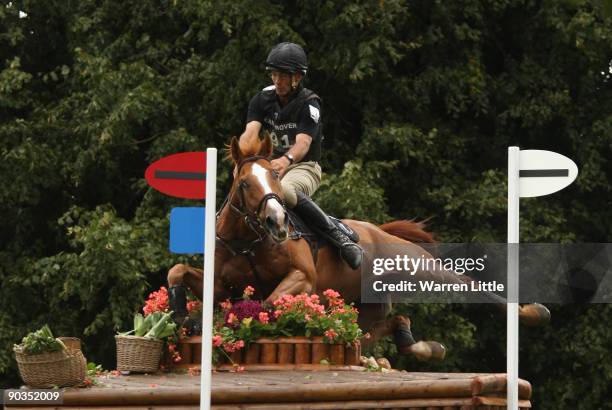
x=187, y=230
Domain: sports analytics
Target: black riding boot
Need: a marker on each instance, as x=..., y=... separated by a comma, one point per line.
x=307, y=209
x=177, y=299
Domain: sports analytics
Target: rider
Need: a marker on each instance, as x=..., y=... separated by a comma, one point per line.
x=292, y=116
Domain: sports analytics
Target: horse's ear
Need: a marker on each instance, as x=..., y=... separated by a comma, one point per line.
x=266, y=146
x=235, y=152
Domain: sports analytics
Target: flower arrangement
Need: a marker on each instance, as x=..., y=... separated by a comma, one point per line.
x=158, y=302
x=238, y=324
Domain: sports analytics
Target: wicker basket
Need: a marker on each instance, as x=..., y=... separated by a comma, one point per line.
x=62, y=368
x=138, y=354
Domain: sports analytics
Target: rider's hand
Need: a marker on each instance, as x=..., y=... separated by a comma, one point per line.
x=280, y=165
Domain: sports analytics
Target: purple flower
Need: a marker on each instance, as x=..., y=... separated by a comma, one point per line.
x=245, y=309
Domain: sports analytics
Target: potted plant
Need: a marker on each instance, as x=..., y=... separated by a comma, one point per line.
x=45, y=361
x=295, y=330
x=139, y=350
x=183, y=348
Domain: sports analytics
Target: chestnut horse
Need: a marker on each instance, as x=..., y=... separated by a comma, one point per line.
x=255, y=246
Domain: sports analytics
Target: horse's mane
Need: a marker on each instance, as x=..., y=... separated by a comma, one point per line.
x=411, y=230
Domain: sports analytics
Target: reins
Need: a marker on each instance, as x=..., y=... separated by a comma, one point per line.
x=250, y=218
x=240, y=246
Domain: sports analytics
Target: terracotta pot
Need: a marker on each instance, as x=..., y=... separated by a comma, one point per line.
x=285, y=353
x=302, y=353
x=352, y=355
x=268, y=353
x=336, y=354
x=236, y=357
x=252, y=354
x=196, y=353
x=185, y=350
x=320, y=350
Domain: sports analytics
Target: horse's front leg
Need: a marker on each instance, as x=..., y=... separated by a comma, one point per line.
x=302, y=274
x=181, y=277
x=294, y=283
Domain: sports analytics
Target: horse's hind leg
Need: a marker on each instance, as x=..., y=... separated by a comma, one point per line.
x=373, y=320
x=373, y=317
x=532, y=314
x=180, y=278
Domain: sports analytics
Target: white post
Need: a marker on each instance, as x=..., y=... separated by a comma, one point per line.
x=209, y=271
x=512, y=330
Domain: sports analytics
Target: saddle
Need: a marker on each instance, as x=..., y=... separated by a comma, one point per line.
x=314, y=239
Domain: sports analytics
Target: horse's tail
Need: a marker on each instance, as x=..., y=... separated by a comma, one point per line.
x=411, y=230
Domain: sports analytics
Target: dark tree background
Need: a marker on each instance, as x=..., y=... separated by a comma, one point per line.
x=421, y=101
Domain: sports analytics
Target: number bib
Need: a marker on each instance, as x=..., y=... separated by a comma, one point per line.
x=300, y=115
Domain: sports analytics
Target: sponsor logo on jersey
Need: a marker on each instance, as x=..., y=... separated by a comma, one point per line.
x=314, y=113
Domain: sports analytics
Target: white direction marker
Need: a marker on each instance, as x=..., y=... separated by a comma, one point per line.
x=530, y=173
x=544, y=172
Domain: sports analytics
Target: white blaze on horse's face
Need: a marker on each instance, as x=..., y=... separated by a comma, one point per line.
x=273, y=215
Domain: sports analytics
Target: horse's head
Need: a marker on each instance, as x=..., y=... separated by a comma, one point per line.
x=256, y=190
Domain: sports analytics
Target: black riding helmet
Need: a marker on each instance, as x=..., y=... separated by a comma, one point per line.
x=288, y=58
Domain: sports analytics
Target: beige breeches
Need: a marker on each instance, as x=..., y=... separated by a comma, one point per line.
x=302, y=177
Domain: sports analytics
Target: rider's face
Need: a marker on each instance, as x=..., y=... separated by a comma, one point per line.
x=283, y=82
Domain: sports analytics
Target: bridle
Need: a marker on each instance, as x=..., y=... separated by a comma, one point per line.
x=251, y=219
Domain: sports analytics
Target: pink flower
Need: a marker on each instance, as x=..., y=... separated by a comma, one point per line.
x=232, y=347
x=331, y=334
x=249, y=290
x=226, y=305
x=177, y=358
x=307, y=317
x=217, y=340
x=157, y=302
x=331, y=294
x=231, y=318
x=193, y=305
x=263, y=317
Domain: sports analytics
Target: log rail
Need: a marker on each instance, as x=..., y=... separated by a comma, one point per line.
x=278, y=390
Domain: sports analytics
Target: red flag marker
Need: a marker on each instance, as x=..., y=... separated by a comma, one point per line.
x=182, y=175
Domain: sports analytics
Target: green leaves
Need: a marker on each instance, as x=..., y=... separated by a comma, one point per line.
x=41, y=341
x=362, y=198
x=156, y=325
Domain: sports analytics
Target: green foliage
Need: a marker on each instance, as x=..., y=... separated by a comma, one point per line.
x=40, y=341
x=420, y=101
x=362, y=197
x=156, y=325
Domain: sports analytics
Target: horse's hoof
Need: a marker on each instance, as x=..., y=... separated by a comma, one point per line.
x=425, y=351
x=384, y=363
x=438, y=351
x=534, y=314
